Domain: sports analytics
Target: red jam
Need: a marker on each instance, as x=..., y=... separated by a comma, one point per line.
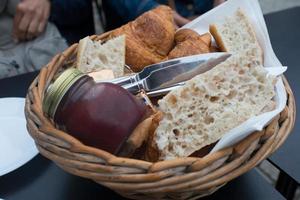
x=101, y=115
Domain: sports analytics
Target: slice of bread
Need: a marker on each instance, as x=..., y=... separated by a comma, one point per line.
x=94, y=56
x=235, y=34
x=210, y=104
x=102, y=75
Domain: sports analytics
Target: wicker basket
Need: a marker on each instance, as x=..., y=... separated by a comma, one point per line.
x=184, y=178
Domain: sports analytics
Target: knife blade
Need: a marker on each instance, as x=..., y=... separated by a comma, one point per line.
x=176, y=73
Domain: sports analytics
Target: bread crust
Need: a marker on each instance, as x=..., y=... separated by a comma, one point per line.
x=213, y=30
x=189, y=42
x=80, y=51
x=149, y=38
x=152, y=153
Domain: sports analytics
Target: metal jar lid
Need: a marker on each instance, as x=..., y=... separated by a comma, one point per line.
x=58, y=89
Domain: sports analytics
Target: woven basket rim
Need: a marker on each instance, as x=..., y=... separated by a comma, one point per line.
x=124, y=173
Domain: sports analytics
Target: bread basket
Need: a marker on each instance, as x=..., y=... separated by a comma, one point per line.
x=184, y=178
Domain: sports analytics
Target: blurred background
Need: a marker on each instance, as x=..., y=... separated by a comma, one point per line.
x=269, y=6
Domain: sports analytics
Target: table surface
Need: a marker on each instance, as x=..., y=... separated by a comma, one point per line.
x=284, y=29
x=42, y=179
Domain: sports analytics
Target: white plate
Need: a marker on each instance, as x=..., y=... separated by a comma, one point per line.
x=12, y=107
x=16, y=145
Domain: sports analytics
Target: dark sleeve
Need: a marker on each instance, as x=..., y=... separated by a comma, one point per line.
x=130, y=9
x=2, y=5
x=202, y=6
x=70, y=12
x=73, y=18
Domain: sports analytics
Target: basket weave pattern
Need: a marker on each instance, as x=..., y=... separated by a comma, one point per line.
x=183, y=178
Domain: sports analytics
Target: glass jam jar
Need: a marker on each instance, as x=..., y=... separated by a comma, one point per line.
x=102, y=115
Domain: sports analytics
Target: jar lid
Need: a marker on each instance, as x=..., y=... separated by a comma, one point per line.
x=58, y=89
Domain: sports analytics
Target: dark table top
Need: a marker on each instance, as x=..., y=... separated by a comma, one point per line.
x=284, y=29
x=42, y=179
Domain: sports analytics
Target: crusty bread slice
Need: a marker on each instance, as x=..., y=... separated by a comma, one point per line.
x=94, y=56
x=235, y=34
x=210, y=104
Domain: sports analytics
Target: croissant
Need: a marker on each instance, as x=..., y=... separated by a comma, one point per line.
x=149, y=38
x=189, y=42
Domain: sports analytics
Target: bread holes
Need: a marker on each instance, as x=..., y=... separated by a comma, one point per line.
x=176, y=132
x=196, y=91
x=261, y=87
x=190, y=115
x=241, y=97
x=252, y=101
x=170, y=147
x=208, y=119
x=260, y=79
x=169, y=116
x=241, y=72
x=250, y=91
x=218, y=79
x=184, y=94
x=214, y=99
x=103, y=58
x=203, y=109
x=231, y=94
x=190, y=127
x=172, y=100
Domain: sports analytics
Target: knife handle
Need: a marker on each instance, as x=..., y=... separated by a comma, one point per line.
x=124, y=80
x=134, y=87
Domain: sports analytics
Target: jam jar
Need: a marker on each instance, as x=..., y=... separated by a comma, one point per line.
x=101, y=115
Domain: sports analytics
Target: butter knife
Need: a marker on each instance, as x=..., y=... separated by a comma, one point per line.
x=171, y=75
x=194, y=60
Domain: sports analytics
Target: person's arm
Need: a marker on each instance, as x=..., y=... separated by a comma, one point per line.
x=179, y=20
x=218, y=2
x=30, y=19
